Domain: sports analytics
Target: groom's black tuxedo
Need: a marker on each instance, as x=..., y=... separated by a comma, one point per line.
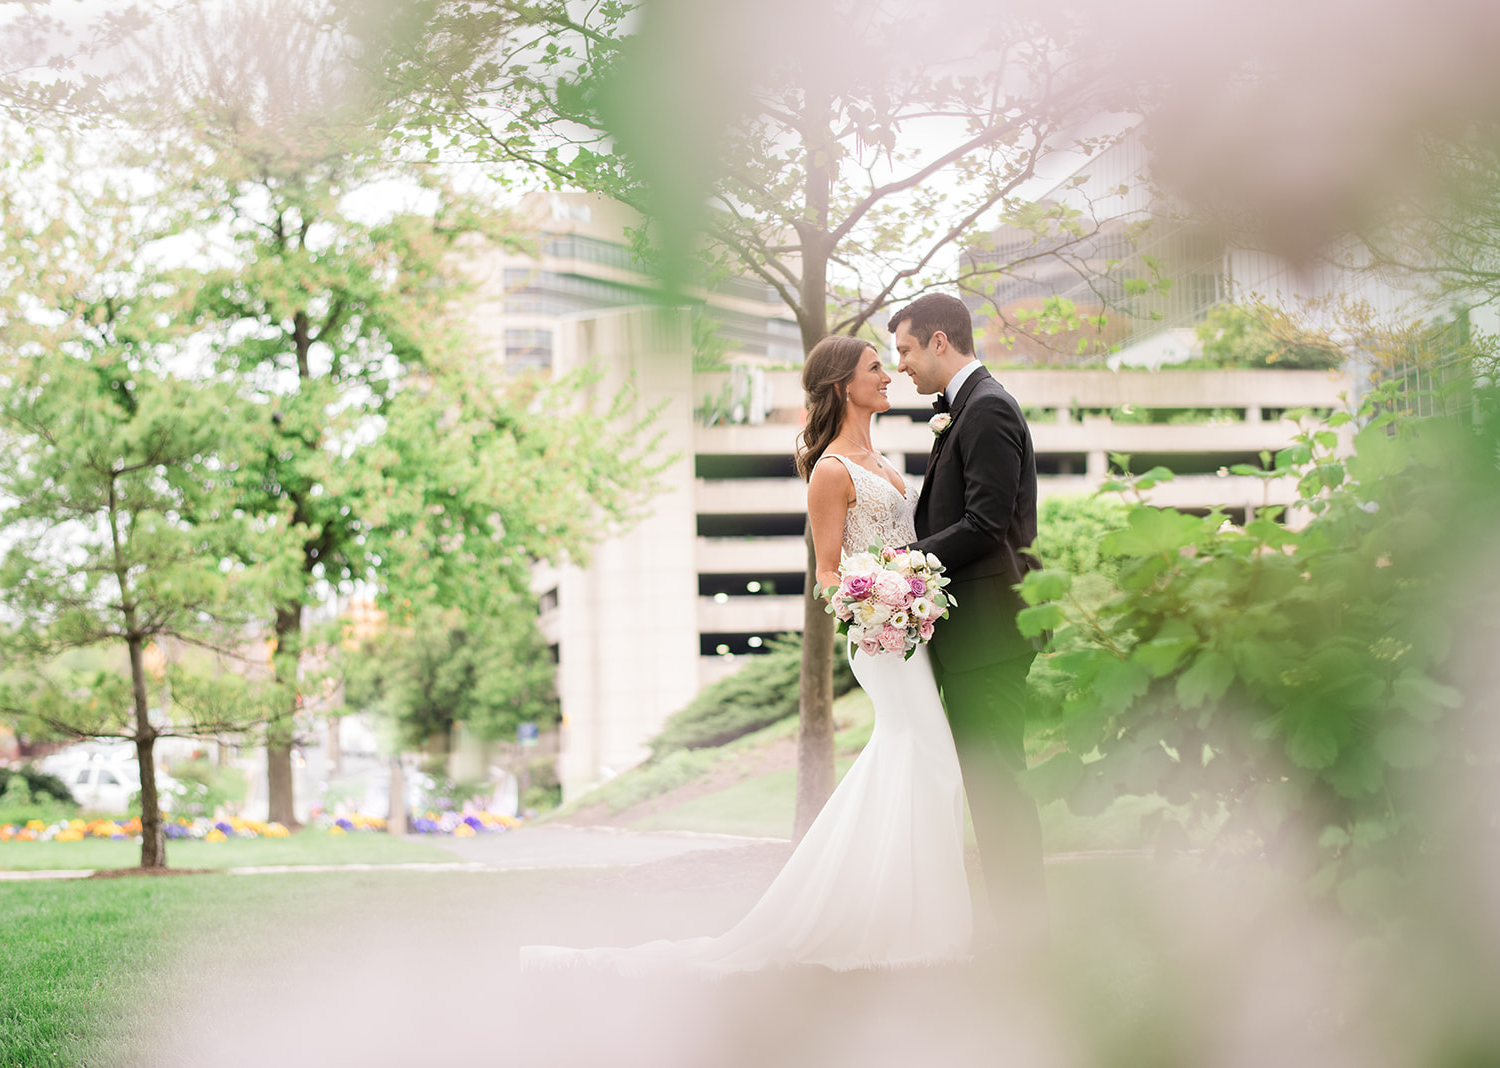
x=977, y=514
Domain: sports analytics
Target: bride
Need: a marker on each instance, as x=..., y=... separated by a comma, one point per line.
x=878, y=881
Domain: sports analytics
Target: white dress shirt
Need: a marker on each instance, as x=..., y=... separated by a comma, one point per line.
x=950, y=391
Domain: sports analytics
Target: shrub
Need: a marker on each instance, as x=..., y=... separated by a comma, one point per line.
x=38, y=782
x=759, y=694
x=1070, y=534
x=27, y=795
x=1296, y=680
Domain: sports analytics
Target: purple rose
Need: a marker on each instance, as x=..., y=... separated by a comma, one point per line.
x=918, y=585
x=858, y=586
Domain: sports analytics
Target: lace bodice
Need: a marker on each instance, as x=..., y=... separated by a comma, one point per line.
x=879, y=515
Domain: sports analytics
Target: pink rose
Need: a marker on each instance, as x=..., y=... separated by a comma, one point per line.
x=841, y=610
x=918, y=585
x=893, y=639
x=870, y=645
x=926, y=630
x=892, y=590
x=858, y=586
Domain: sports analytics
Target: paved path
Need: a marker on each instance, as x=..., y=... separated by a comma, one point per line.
x=536, y=848
x=555, y=846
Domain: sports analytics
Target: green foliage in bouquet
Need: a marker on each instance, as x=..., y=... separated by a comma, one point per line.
x=1290, y=689
x=759, y=694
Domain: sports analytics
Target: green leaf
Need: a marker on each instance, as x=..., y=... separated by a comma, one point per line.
x=1312, y=743
x=1032, y=622
x=1160, y=656
x=1119, y=683
x=1048, y=585
x=1206, y=680
x=1423, y=698
x=1154, y=530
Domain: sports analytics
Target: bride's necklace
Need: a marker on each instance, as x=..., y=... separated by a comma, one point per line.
x=864, y=449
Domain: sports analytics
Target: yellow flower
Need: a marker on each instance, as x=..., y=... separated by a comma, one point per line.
x=463, y=830
x=35, y=825
x=336, y=830
x=214, y=835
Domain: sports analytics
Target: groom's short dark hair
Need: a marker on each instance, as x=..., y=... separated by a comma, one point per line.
x=938, y=311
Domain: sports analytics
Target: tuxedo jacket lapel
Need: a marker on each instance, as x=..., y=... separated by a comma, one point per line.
x=956, y=409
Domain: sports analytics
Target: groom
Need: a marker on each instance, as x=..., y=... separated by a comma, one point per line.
x=977, y=514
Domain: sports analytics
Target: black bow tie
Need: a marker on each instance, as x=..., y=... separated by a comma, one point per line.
x=941, y=404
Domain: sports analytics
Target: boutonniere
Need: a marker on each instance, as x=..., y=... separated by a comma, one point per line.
x=940, y=423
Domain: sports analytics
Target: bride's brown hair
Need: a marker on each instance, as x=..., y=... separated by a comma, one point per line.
x=825, y=376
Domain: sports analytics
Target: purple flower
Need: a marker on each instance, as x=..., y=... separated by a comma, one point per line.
x=858, y=586
x=918, y=585
x=224, y=828
x=345, y=824
x=475, y=822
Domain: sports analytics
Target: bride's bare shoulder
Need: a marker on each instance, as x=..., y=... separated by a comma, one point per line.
x=830, y=479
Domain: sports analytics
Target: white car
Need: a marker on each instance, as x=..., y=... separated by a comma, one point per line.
x=111, y=786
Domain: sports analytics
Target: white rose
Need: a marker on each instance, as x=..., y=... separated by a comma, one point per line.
x=933, y=562
x=862, y=564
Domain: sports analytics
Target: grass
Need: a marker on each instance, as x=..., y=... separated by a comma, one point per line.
x=79, y=956
x=305, y=847
x=762, y=807
x=90, y=969
x=87, y=966
x=852, y=714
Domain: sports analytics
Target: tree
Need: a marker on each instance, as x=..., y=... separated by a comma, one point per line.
x=1259, y=335
x=489, y=671
x=844, y=185
x=122, y=528
x=44, y=67
x=390, y=453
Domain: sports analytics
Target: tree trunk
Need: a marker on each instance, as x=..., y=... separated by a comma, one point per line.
x=815, y=776
x=815, y=771
x=153, y=834
x=281, y=730
x=395, y=822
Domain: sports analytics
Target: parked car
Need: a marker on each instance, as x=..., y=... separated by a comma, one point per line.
x=112, y=786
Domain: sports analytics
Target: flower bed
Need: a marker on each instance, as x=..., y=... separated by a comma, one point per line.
x=175, y=827
x=461, y=824
x=457, y=824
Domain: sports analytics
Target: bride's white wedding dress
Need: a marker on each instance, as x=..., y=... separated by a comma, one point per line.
x=878, y=881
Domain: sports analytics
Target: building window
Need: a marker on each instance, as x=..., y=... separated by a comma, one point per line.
x=528, y=350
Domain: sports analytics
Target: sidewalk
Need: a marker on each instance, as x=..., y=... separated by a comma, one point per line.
x=539, y=848
x=560, y=846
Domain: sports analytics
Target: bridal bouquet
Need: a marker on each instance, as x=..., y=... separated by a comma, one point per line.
x=887, y=600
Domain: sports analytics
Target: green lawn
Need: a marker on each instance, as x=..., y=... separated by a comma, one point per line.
x=762, y=807
x=89, y=969
x=305, y=847
x=86, y=964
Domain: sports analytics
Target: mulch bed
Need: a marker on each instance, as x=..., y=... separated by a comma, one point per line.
x=121, y=873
